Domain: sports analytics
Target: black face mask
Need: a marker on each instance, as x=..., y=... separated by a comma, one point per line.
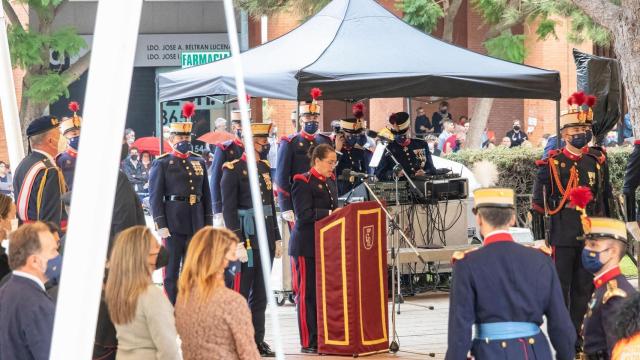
x=134, y=157
x=579, y=140
x=589, y=136
x=124, y=151
x=516, y=127
x=163, y=258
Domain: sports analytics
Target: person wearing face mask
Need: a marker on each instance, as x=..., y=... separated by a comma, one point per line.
x=70, y=129
x=293, y=152
x=412, y=154
x=225, y=152
x=503, y=289
x=576, y=165
x=130, y=136
x=605, y=245
x=6, y=180
x=142, y=314
x=8, y=223
x=27, y=312
x=315, y=196
x=350, y=149
x=239, y=217
x=179, y=197
x=516, y=135
x=438, y=117
x=38, y=182
x=132, y=167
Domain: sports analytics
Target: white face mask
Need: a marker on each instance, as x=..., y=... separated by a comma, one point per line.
x=14, y=224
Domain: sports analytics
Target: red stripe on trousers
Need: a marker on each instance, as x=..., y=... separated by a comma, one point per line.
x=304, y=334
x=294, y=276
x=236, y=282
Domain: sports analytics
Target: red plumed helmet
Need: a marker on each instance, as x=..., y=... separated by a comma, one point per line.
x=578, y=98
x=358, y=110
x=74, y=106
x=188, y=109
x=393, y=119
x=570, y=100
x=590, y=101
x=316, y=93
x=580, y=196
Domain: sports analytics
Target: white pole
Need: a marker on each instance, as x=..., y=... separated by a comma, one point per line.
x=12, y=131
x=247, y=134
x=264, y=29
x=96, y=174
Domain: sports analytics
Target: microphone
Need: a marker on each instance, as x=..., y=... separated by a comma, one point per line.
x=347, y=173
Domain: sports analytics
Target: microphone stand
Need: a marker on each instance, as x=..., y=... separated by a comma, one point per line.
x=393, y=225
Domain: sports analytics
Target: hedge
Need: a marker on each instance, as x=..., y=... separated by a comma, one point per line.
x=518, y=170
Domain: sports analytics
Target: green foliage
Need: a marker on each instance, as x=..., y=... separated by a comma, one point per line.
x=423, y=14
x=491, y=10
x=518, y=170
x=25, y=47
x=66, y=41
x=546, y=27
x=304, y=8
x=507, y=46
x=47, y=88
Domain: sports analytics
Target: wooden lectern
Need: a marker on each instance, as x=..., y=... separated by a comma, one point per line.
x=351, y=280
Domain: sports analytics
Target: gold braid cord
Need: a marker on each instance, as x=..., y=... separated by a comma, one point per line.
x=573, y=182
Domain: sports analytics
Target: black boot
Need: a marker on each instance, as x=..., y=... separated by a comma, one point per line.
x=265, y=350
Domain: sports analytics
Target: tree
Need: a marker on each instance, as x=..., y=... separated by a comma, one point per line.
x=31, y=48
x=622, y=19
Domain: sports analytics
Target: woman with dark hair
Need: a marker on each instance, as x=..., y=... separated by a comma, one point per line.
x=315, y=196
x=8, y=223
x=627, y=322
x=145, y=160
x=6, y=180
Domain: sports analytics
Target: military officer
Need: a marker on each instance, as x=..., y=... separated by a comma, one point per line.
x=575, y=165
x=238, y=212
x=605, y=245
x=179, y=197
x=350, y=142
x=503, y=290
x=293, y=153
x=225, y=152
x=70, y=129
x=412, y=154
x=38, y=183
x=632, y=181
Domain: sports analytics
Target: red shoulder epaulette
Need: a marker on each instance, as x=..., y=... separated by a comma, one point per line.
x=554, y=152
x=542, y=162
x=287, y=138
x=302, y=177
x=600, y=154
x=333, y=176
x=223, y=146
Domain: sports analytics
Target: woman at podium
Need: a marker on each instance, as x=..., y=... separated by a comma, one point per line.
x=315, y=196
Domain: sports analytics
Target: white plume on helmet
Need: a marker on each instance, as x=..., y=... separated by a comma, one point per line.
x=486, y=173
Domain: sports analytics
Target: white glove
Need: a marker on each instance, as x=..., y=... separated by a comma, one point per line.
x=241, y=253
x=163, y=233
x=279, y=249
x=218, y=220
x=288, y=216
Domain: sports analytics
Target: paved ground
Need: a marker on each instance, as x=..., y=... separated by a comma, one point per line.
x=420, y=331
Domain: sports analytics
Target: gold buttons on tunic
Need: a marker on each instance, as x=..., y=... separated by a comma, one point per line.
x=532, y=341
x=504, y=344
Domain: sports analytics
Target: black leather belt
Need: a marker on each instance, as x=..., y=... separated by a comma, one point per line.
x=191, y=199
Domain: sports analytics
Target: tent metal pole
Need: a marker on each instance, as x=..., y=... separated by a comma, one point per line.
x=256, y=198
x=12, y=131
x=159, y=131
x=99, y=153
x=557, y=124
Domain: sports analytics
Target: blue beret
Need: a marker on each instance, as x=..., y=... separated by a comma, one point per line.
x=42, y=124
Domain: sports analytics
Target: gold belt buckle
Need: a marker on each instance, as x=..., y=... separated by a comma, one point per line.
x=192, y=199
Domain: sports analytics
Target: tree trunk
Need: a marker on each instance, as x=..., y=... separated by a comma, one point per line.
x=478, y=123
x=627, y=48
x=30, y=110
x=449, y=20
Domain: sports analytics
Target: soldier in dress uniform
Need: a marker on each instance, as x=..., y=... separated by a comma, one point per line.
x=179, y=197
x=225, y=152
x=350, y=148
x=70, y=129
x=293, y=151
x=605, y=245
x=503, y=290
x=575, y=165
x=38, y=183
x=315, y=196
x=238, y=212
x=412, y=154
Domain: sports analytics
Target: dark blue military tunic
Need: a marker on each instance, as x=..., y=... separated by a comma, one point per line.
x=355, y=159
x=292, y=160
x=413, y=156
x=228, y=151
x=66, y=161
x=236, y=206
x=632, y=181
x=507, y=282
x=38, y=185
x=179, y=193
x=612, y=289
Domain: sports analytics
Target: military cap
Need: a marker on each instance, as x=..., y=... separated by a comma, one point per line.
x=311, y=107
x=351, y=125
x=608, y=228
x=236, y=115
x=71, y=123
x=580, y=111
x=42, y=125
x=494, y=197
x=260, y=129
x=399, y=122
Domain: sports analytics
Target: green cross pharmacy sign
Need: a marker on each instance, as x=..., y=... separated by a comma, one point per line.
x=195, y=58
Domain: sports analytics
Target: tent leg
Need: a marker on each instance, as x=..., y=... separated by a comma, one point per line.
x=159, y=132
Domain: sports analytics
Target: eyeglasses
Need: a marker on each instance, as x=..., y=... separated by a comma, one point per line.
x=333, y=163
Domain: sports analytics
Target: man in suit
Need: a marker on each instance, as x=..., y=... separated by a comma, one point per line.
x=38, y=183
x=26, y=311
x=180, y=198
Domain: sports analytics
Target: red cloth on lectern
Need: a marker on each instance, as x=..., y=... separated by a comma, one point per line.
x=351, y=280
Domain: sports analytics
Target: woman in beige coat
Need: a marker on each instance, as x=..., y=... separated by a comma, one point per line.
x=140, y=311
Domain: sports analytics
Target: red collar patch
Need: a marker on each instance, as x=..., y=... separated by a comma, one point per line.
x=606, y=276
x=73, y=153
x=238, y=142
x=308, y=137
x=179, y=154
x=497, y=237
x=571, y=155
x=316, y=174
